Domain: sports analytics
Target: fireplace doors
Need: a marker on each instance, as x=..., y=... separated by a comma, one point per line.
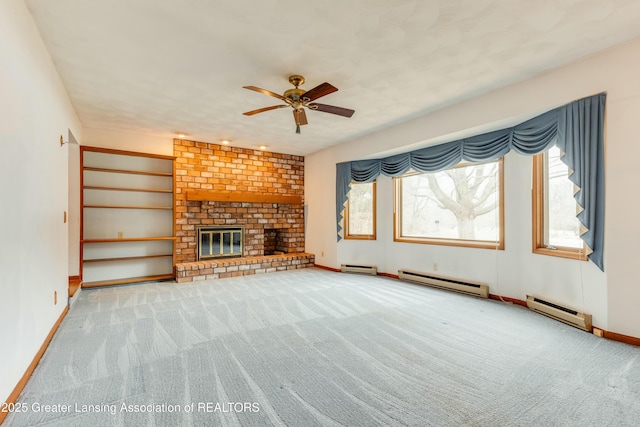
x=218, y=242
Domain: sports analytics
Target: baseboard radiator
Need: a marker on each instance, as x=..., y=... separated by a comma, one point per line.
x=363, y=269
x=448, y=283
x=559, y=312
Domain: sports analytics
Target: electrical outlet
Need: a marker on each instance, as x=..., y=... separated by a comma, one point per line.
x=435, y=266
x=322, y=253
x=65, y=217
x=120, y=234
x=55, y=297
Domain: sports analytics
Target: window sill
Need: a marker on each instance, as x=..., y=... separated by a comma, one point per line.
x=360, y=237
x=562, y=253
x=477, y=244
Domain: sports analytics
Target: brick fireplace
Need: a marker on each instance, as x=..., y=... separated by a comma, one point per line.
x=248, y=177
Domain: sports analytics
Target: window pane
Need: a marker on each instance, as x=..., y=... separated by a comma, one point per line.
x=361, y=209
x=563, y=227
x=215, y=244
x=460, y=203
x=205, y=244
x=226, y=243
x=236, y=243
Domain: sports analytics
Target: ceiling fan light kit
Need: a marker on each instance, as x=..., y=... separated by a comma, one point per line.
x=299, y=99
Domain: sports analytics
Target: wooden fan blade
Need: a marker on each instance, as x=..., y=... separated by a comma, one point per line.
x=300, y=117
x=319, y=91
x=262, y=110
x=345, y=112
x=267, y=92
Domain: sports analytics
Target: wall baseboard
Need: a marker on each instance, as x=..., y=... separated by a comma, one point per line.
x=13, y=397
x=508, y=299
x=627, y=339
x=336, y=270
x=74, y=284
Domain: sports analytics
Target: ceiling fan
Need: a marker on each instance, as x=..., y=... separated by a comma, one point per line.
x=299, y=99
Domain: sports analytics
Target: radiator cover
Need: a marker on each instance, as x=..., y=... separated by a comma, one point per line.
x=359, y=268
x=443, y=282
x=560, y=312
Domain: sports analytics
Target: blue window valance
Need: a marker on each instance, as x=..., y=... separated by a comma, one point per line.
x=576, y=128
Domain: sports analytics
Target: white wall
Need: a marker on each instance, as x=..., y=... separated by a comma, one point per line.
x=128, y=141
x=34, y=112
x=611, y=297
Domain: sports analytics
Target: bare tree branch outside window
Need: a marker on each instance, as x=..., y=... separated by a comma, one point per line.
x=361, y=210
x=459, y=203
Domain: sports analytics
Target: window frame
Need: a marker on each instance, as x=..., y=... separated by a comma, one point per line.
x=347, y=232
x=539, y=186
x=478, y=244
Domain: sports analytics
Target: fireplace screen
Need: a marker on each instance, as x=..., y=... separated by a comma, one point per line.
x=220, y=242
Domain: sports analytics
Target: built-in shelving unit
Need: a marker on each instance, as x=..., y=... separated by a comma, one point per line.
x=128, y=227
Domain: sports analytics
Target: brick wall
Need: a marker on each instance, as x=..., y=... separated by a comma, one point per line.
x=220, y=168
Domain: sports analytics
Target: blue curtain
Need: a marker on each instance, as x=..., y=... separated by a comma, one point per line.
x=581, y=138
x=577, y=128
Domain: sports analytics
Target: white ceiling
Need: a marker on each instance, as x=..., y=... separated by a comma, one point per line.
x=161, y=66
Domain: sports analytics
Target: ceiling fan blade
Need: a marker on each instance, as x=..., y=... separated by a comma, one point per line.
x=300, y=117
x=345, y=112
x=319, y=91
x=262, y=110
x=267, y=92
